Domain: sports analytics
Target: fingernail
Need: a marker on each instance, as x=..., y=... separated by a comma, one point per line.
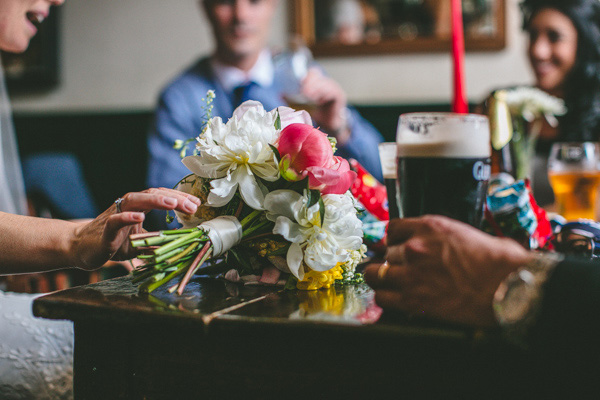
x=195, y=200
x=169, y=201
x=138, y=216
x=188, y=205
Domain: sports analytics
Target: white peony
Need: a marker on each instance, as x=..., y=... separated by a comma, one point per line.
x=233, y=154
x=534, y=103
x=321, y=246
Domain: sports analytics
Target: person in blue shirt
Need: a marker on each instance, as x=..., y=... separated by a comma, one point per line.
x=242, y=59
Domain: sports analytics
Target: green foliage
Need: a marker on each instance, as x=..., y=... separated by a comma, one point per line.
x=278, y=121
x=277, y=154
x=291, y=283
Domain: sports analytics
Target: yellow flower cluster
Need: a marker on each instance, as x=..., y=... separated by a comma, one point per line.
x=267, y=247
x=314, y=280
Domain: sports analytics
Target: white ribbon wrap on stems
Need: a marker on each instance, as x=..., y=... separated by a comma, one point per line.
x=224, y=232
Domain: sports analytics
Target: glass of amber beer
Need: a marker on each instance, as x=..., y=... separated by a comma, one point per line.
x=574, y=173
x=443, y=165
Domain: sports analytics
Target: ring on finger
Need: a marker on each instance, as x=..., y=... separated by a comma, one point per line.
x=382, y=271
x=118, y=204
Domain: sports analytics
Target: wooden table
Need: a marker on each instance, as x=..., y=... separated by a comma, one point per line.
x=222, y=340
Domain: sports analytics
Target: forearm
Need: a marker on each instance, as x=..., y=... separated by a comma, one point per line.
x=34, y=244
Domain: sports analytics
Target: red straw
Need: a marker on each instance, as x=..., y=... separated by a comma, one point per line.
x=459, y=105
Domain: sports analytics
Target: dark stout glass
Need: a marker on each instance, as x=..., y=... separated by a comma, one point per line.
x=452, y=187
x=443, y=165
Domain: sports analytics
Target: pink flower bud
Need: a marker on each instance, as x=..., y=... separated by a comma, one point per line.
x=306, y=151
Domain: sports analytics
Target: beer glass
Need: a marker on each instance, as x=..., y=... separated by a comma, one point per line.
x=294, y=65
x=574, y=174
x=387, y=156
x=443, y=165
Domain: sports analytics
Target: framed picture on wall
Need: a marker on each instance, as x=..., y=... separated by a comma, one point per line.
x=37, y=69
x=358, y=27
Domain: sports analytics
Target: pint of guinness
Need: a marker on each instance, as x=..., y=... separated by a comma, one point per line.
x=443, y=165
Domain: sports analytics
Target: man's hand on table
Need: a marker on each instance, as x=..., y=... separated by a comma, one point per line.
x=444, y=269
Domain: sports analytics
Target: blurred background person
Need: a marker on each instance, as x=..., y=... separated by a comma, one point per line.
x=242, y=68
x=564, y=55
x=36, y=355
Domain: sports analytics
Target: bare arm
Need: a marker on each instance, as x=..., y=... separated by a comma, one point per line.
x=34, y=244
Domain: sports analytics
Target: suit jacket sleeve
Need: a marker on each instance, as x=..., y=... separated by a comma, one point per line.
x=363, y=144
x=568, y=325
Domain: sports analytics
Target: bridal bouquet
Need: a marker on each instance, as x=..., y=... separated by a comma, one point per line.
x=275, y=202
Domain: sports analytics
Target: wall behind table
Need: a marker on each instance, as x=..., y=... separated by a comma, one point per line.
x=111, y=146
x=116, y=55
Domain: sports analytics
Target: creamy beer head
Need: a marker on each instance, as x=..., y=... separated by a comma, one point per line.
x=443, y=135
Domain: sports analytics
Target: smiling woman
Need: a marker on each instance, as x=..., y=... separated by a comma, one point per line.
x=564, y=52
x=37, y=68
x=19, y=22
x=35, y=357
x=552, y=49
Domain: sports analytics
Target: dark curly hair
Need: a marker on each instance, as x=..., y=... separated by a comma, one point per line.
x=582, y=86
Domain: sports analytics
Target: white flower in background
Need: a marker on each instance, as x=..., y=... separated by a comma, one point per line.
x=233, y=154
x=533, y=104
x=321, y=245
x=356, y=257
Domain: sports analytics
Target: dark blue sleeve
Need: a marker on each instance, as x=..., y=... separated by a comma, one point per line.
x=179, y=116
x=363, y=144
x=567, y=330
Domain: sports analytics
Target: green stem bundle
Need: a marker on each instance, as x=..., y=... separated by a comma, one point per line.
x=171, y=253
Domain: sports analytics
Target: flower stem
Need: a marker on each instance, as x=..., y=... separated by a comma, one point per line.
x=198, y=261
x=239, y=209
x=183, y=253
x=179, y=231
x=254, y=228
x=144, y=235
x=179, y=242
x=260, y=235
x=250, y=217
x=144, y=275
x=150, y=287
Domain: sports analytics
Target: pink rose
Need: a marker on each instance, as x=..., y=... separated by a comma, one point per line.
x=306, y=151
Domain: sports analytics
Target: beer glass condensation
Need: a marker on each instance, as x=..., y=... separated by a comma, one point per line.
x=443, y=165
x=574, y=174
